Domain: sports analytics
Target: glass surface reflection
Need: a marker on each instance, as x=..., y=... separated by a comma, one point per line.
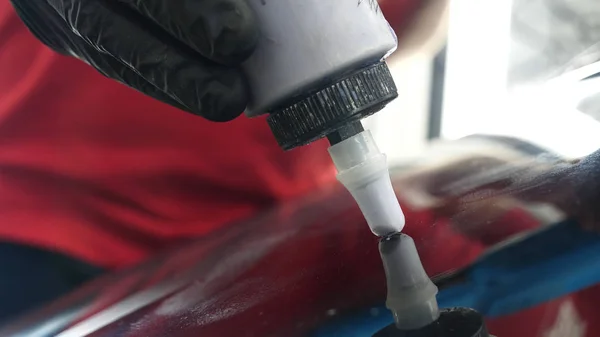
x=312, y=267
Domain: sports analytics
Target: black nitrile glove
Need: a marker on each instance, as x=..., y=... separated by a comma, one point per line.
x=183, y=52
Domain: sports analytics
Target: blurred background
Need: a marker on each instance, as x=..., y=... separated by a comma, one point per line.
x=523, y=68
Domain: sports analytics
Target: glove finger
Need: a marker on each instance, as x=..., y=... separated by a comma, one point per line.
x=130, y=78
x=113, y=68
x=105, y=64
x=213, y=91
x=224, y=31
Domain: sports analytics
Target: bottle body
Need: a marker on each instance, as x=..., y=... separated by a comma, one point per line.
x=305, y=44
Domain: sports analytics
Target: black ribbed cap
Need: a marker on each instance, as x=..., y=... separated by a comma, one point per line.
x=350, y=98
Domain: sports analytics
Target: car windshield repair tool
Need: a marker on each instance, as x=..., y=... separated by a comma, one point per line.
x=318, y=70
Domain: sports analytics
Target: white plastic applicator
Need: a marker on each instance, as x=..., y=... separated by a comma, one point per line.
x=411, y=295
x=363, y=170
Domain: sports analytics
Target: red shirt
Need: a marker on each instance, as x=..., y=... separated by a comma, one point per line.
x=94, y=169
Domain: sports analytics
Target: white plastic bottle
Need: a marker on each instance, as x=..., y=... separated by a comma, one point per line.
x=308, y=46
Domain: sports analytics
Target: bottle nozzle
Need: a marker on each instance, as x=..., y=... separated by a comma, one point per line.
x=363, y=170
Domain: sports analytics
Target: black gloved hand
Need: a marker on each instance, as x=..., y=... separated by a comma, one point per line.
x=183, y=52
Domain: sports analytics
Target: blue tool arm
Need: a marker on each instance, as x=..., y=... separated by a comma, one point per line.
x=542, y=266
x=527, y=271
